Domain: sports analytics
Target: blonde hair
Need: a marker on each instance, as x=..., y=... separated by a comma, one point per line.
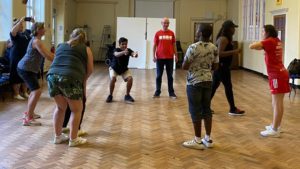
x=77, y=37
x=36, y=27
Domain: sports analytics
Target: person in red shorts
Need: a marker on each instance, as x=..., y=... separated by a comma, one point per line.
x=277, y=74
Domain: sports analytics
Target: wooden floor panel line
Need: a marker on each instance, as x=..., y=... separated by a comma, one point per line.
x=148, y=133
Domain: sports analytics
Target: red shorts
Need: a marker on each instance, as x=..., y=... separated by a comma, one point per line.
x=279, y=85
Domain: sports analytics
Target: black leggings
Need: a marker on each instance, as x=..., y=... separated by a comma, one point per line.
x=223, y=75
x=68, y=114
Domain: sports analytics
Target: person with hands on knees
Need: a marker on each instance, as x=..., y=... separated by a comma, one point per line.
x=29, y=67
x=200, y=59
x=119, y=67
x=277, y=74
x=67, y=78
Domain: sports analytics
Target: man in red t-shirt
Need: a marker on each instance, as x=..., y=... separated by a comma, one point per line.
x=164, y=49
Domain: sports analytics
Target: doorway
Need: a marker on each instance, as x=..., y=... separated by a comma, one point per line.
x=279, y=24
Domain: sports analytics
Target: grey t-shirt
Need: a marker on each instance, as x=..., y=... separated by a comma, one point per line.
x=32, y=59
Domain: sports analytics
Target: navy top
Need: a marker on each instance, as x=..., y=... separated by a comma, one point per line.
x=120, y=64
x=70, y=61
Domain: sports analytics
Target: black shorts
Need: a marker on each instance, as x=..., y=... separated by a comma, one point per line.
x=30, y=78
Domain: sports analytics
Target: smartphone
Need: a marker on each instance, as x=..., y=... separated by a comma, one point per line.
x=27, y=19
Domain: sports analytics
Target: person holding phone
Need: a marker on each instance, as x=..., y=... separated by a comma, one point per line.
x=20, y=39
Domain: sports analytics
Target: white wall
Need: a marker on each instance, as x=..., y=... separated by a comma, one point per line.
x=154, y=9
x=252, y=60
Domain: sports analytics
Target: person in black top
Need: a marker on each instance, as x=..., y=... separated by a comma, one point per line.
x=226, y=52
x=20, y=40
x=119, y=67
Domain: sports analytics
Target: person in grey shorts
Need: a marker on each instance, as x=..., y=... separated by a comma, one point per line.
x=200, y=59
x=28, y=69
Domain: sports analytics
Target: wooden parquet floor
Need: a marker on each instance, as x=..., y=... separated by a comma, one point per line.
x=149, y=133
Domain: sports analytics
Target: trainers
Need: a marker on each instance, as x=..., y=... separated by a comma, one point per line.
x=60, y=139
x=19, y=97
x=65, y=129
x=156, y=95
x=128, y=99
x=237, y=112
x=269, y=127
x=76, y=142
x=81, y=133
x=207, y=143
x=25, y=95
x=35, y=116
x=30, y=122
x=173, y=96
x=193, y=144
x=109, y=98
x=270, y=133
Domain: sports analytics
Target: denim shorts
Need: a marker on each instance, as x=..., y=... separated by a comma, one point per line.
x=30, y=78
x=199, y=97
x=65, y=86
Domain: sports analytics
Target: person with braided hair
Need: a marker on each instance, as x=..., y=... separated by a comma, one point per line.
x=28, y=69
x=67, y=76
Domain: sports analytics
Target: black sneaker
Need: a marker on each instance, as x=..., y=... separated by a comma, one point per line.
x=173, y=96
x=109, y=98
x=237, y=112
x=156, y=95
x=128, y=99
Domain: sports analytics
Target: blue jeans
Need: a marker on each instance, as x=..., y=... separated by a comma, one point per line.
x=160, y=63
x=199, y=98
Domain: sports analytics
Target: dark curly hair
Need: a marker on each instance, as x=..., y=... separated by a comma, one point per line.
x=270, y=31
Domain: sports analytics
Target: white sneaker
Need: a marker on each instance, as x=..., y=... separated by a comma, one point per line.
x=19, y=97
x=269, y=127
x=35, y=116
x=270, y=133
x=76, y=142
x=30, y=122
x=207, y=143
x=26, y=95
x=81, y=133
x=60, y=139
x=193, y=144
x=65, y=129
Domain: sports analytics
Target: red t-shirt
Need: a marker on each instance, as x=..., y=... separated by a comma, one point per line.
x=273, y=58
x=164, y=40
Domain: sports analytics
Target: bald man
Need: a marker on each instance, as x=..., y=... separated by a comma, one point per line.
x=164, y=50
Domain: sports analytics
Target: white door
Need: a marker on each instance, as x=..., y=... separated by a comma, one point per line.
x=154, y=25
x=134, y=30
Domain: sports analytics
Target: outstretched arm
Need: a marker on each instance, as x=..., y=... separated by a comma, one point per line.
x=256, y=46
x=37, y=44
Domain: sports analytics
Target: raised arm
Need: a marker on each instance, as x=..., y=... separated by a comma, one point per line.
x=256, y=46
x=15, y=29
x=37, y=44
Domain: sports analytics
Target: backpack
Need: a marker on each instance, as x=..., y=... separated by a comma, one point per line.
x=110, y=53
x=294, y=67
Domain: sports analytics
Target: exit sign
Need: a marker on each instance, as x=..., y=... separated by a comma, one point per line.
x=278, y=2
